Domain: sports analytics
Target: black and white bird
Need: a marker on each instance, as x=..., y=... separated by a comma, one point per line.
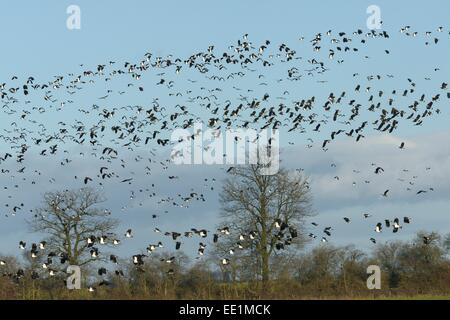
x=138, y=259
x=378, y=227
x=42, y=245
x=94, y=253
x=426, y=240
x=113, y=258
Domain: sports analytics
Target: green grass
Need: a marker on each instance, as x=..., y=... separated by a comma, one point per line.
x=418, y=297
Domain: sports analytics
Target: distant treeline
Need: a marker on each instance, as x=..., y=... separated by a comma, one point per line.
x=408, y=268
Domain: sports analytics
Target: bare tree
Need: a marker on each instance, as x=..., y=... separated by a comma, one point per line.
x=69, y=218
x=447, y=243
x=388, y=256
x=267, y=211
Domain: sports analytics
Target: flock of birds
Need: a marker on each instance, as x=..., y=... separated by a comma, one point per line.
x=246, y=86
x=394, y=224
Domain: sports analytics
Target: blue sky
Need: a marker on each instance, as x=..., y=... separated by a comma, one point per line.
x=36, y=39
x=36, y=42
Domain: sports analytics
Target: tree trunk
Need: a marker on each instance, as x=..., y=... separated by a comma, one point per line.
x=264, y=242
x=265, y=266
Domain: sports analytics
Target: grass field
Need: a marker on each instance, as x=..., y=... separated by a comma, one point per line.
x=419, y=297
